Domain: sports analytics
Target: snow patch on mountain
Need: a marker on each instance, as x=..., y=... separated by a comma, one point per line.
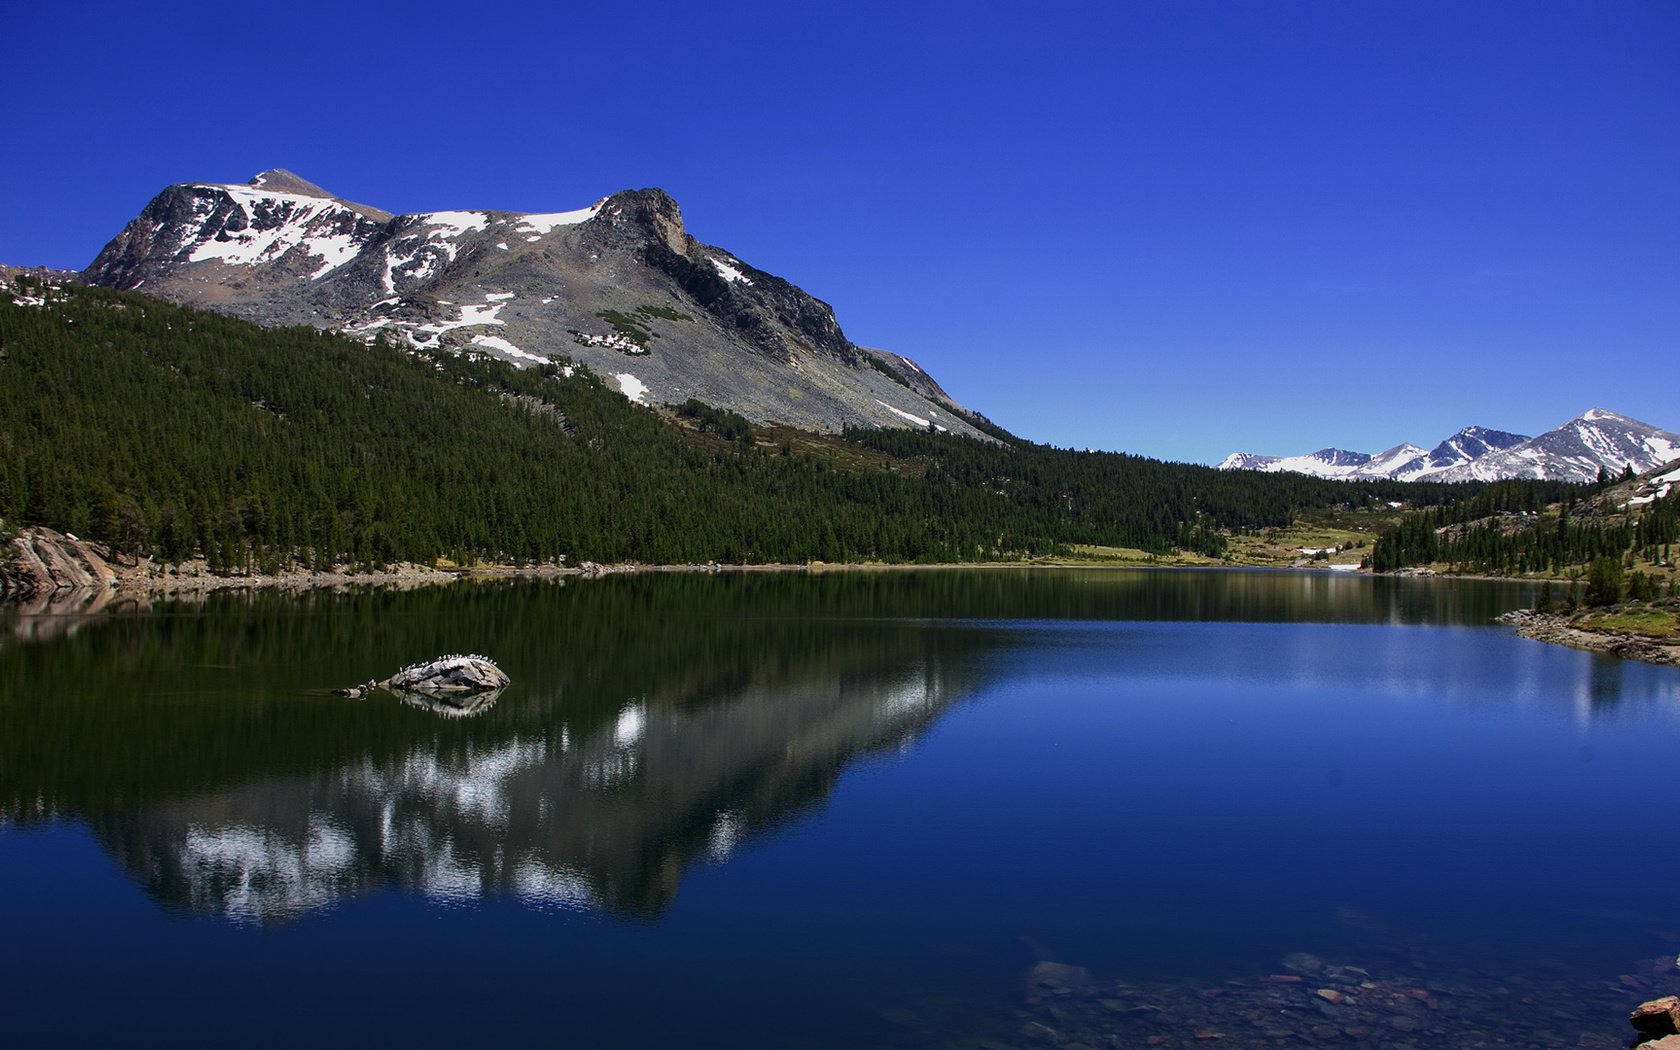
x=911, y=416
x=455, y=223
x=632, y=388
x=541, y=224
x=728, y=272
x=1654, y=488
x=492, y=342
x=264, y=226
x=429, y=335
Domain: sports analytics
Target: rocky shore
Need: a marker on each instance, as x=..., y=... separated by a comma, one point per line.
x=1562, y=629
x=1310, y=1002
x=43, y=565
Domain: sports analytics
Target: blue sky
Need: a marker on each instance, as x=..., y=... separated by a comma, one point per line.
x=1177, y=228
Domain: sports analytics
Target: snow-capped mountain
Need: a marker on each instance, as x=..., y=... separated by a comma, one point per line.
x=1325, y=463
x=1464, y=447
x=618, y=286
x=1575, y=451
x=1571, y=452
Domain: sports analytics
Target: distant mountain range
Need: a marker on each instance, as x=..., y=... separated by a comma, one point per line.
x=1573, y=451
x=618, y=286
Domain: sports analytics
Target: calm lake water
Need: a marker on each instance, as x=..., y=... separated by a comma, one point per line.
x=860, y=809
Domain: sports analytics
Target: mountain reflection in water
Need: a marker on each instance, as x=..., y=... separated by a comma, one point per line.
x=640, y=741
x=654, y=723
x=1170, y=782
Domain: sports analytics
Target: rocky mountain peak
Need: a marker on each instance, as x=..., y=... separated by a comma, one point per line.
x=279, y=180
x=619, y=286
x=651, y=211
x=1341, y=457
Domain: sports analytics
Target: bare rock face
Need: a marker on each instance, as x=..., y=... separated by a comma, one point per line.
x=41, y=561
x=1658, y=1018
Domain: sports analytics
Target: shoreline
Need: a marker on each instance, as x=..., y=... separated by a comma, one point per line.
x=56, y=574
x=46, y=563
x=1559, y=629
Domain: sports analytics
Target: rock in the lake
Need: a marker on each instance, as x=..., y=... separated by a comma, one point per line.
x=1657, y=1018
x=1060, y=978
x=449, y=674
x=1302, y=962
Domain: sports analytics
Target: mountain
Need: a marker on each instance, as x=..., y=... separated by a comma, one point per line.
x=1576, y=450
x=1404, y=462
x=1573, y=451
x=619, y=286
x=1463, y=447
x=1325, y=463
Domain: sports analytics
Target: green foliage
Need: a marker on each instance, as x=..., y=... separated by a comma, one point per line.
x=1643, y=587
x=1501, y=532
x=635, y=328
x=162, y=430
x=629, y=327
x=1120, y=500
x=731, y=425
x=885, y=369
x=1604, y=581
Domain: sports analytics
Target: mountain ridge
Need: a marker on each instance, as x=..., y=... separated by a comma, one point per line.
x=1574, y=450
x=620, y=286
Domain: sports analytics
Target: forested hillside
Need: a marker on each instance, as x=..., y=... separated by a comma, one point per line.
x=1168, y=504
x=171, y=432
x=1514, y=530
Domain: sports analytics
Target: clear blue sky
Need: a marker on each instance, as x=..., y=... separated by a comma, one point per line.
x=1177, y=228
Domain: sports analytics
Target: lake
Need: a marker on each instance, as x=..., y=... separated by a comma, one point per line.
x=952, y=808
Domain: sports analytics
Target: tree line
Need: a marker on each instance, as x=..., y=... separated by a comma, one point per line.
x=1501, y=532
x=176, y=433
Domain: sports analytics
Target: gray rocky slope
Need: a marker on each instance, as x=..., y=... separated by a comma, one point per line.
x=620, y=287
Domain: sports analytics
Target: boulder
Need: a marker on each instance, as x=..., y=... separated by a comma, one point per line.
x=448, y=674
x=1657, y=1018
x=444, y=677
